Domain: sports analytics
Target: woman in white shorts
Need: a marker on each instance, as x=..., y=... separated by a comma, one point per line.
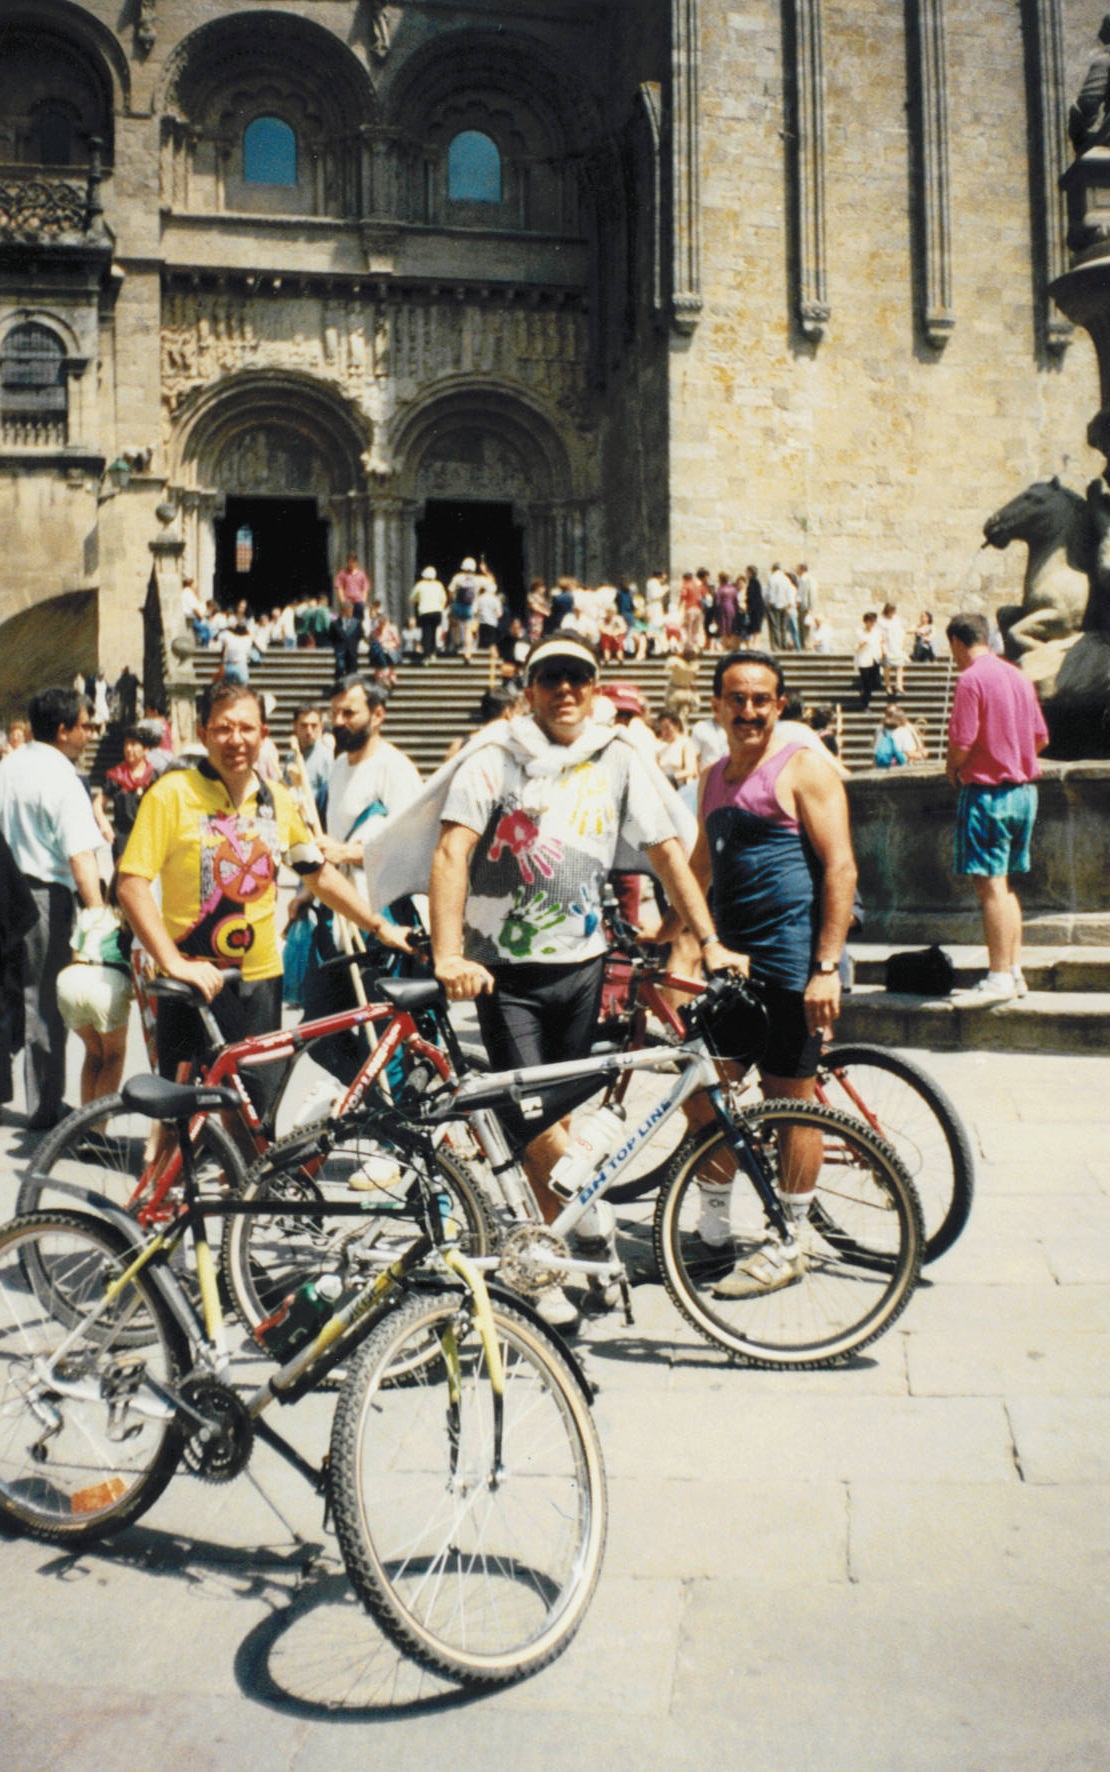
x=94, y=997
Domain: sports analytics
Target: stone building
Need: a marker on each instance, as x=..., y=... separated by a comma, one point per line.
x=588, y=285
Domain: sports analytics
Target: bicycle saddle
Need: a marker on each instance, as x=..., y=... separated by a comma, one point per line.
x=180, y=987
x=412, y=994
x=162, y=1100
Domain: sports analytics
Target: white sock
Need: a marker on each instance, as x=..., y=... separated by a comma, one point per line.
x=999, y=978
x=798, y=1205
x=596, y=1221
x=1015, y=970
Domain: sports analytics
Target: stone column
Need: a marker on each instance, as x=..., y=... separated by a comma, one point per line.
x=393, y=554
x=166, y=629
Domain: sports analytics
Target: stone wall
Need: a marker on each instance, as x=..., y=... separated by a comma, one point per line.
x=869, y=452
x=902, y=832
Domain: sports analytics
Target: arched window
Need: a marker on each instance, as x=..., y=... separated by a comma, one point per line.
x=33, y=385
x=473, y=168
x=55, y=139
x=269, y=152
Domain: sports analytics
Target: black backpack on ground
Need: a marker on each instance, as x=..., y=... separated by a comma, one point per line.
x=922, y=972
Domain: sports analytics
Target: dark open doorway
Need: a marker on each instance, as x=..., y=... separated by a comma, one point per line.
x=270, y=551
x=449, y=532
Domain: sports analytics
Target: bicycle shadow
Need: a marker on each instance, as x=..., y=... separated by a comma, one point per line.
x=323, y=1657
x=317, y=1654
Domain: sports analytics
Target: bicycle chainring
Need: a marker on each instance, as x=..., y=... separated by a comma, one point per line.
x=521, y=1264
x=221, y=1448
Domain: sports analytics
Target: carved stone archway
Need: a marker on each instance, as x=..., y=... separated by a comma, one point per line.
x=490, y=444
x=266, y=434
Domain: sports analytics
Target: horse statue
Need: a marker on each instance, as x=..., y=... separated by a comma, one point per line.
x=1060, y=531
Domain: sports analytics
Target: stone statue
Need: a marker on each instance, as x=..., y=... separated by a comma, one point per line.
x=1059, y=530
x=1089, y=117
x=383, y=23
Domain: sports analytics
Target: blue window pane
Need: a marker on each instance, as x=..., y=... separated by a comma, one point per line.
x=474, y=168
x=269, y=152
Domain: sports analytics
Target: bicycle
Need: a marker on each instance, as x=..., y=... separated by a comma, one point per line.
x=891, y=1094
x=104, y=1145
x=857, y=1255
x=464, y=1466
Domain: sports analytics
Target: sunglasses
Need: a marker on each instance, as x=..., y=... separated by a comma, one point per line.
x=577, y=675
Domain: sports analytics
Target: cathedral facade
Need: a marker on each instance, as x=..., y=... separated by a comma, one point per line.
x=590, y=286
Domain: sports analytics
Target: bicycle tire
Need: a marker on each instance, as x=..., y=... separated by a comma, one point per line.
x=100, y=1147
x=862, y=1243
x=921, y=1124
x=266, y=1257
x=78, y=1467
x=484, y=1582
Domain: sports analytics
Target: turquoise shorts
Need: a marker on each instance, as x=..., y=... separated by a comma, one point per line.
x=994, y=827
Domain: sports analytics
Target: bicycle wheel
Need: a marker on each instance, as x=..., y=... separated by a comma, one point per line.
x=860, y=1245
x=904, y=1106
x=267, y=1255
x=87, y=1440
x=102, y=1147
x=475, y=1554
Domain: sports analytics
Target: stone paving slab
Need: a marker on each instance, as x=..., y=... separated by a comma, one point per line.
x=977, y=1537
x=899, y=1675
x=897, y=1565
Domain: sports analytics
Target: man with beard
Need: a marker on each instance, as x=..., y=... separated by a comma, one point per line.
x=774, y=841
x=369, y=779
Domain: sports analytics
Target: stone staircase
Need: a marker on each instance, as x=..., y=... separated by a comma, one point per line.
x=431, y=705
x=1067, y=1008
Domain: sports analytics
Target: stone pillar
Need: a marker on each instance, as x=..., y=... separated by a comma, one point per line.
x=164, y=611
x=388, y=554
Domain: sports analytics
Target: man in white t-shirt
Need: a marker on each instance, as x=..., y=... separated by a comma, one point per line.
x=369, y=779
x=47, y=819
x=529, y=832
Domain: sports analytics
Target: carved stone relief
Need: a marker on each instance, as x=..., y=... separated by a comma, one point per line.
x=378, y=355
x=272, y=459
x=474, y=464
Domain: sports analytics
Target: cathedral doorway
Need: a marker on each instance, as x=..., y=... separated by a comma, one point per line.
x=451, y=530
x=270, y=551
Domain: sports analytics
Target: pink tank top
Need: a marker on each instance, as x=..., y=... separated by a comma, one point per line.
x=756, y=794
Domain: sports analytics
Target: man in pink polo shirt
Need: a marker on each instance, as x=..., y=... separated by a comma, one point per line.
x=995, y=733
x=352, y=586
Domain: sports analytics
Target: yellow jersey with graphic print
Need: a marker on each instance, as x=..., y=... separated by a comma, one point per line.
x=218, y=864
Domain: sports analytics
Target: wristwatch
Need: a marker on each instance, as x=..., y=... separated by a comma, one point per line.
x=826, y=968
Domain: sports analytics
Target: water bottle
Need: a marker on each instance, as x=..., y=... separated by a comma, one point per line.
x=298, y=1317
x=591, y=1140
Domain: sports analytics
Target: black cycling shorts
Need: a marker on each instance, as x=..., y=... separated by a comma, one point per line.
x=790, y=1050
x=541, y=1014
x=243, y=1008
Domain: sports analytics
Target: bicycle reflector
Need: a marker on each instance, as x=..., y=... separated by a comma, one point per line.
x=731, y=1017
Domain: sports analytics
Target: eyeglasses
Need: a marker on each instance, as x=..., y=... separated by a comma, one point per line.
x=577, y=675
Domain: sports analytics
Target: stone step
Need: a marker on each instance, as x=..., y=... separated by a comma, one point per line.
x=1048, y=969
x=1044, y=1021
x=432, y=704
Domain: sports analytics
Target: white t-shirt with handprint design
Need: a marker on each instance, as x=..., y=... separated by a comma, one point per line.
x=546, y=843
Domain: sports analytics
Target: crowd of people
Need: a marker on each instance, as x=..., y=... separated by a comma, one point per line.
x=742, y=821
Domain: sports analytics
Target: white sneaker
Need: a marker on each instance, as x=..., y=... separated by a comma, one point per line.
x=986, y=993
x=376, y=1172
x=769, y=1269
x=1021, y=989
x=554, y=1308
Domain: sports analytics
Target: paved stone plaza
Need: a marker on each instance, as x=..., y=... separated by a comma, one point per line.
x=900, y=1565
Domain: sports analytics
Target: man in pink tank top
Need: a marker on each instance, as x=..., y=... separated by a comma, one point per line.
x=775, y=846
x=995, y=734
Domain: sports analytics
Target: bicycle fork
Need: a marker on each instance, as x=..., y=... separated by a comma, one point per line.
x=747, y=1159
